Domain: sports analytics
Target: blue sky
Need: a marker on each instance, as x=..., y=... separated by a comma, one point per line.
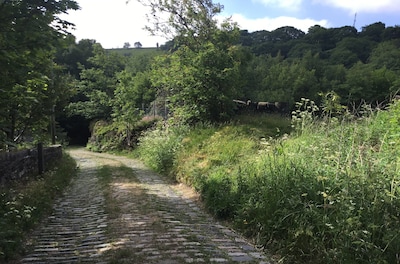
x=113, y=22
x=268, y=14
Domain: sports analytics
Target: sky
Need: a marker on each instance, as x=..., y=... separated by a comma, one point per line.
x=115, y=22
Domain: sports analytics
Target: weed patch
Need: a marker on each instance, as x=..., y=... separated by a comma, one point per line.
x=23, y=205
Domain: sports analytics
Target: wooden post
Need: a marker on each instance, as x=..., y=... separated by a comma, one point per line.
x=40, y=158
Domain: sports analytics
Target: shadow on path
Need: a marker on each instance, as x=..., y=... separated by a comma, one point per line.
x=153, y=223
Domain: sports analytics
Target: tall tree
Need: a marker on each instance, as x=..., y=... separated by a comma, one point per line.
x=201, y=76
x=97, y=85
x=190, y=22
x=30, y=32
x=74, y=56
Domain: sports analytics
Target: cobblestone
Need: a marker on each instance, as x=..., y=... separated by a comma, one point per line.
x=157, y=223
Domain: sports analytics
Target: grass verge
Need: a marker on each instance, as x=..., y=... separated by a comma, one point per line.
x=327, y=193
x=23, y=205
x=121, y=188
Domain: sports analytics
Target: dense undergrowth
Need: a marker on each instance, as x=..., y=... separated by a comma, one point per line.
x=23, y=205
x=117, y=136
x=327, y=193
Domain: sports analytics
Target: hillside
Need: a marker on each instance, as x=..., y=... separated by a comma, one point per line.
x=133, y=51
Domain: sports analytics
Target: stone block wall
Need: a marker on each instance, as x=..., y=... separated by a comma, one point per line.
x=24, y=163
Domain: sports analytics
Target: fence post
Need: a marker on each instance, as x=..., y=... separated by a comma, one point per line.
x=40, y=158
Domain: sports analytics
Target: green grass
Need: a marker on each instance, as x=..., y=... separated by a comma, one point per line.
x=326, y=193
x=115, y=207
x=23, y=205
x=134, y=51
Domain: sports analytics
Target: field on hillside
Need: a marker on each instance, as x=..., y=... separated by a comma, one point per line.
x=134, y=51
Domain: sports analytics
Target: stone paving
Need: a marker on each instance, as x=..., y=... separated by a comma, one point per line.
x=156, y=223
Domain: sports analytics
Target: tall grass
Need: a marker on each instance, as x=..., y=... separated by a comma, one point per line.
x=158, y=147
x=23, y=205
x=328, y=193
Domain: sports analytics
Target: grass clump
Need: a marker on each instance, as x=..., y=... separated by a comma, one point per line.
x=328, y=194
x=24, y=204
x=158, y=147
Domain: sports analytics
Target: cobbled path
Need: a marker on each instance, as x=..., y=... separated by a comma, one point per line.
x=157, y=223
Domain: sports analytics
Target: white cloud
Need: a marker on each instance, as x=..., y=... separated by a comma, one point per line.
x=367, y=6
x=286, y=4
x=112, y=23
x=274, y=23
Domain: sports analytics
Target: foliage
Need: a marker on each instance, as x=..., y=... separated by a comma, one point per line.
x=200, y=77
x=192, y=22
x=75, y=56
x=30, y=82
x=288, y=82
x=97, y=85
x=200, y=84
x=130, y=95
x=117, y=136
x=158, y=147
x=328, y=194
x=23, y=205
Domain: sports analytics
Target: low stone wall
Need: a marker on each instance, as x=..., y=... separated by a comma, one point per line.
x=24, y=163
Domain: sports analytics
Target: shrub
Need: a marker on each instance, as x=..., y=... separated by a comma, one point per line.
x=116, y=136
x=158, y=147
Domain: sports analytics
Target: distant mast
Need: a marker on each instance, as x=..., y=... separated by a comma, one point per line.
x=355, y=18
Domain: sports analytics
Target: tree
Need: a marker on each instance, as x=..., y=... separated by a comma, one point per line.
x=391, y=33
x=137, y=45
x=288, y=82
x=190, y=22
x=349, y=50
x=374, y=31
x=386, y=54
x=200, y=85
x=321, y=37
x=31, y=31
x=133, y=92
x=201, y=75
x=364, y=83
x=74, y=56
x=97, y=85
x=127, y=45
x=286, y=34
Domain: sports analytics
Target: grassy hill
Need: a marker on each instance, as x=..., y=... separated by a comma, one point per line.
x=134, y=51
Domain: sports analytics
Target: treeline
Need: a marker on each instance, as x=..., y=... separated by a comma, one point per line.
x=290, y=64
x=284, y=65
x=193, y=78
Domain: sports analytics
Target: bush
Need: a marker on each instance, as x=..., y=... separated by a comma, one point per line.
x=158, y=147
x=117, y=136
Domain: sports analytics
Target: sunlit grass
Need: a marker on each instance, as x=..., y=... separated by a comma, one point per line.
x=326, y=193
